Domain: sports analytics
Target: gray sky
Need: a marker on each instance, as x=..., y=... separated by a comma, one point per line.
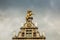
x=46, y=14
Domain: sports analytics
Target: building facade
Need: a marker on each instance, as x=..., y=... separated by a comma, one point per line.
x=29, y=31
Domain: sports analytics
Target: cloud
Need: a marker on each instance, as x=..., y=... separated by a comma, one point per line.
x=48, y=22
x=48, y=19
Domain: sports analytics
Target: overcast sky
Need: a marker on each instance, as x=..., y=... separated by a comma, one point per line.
x=46, y=15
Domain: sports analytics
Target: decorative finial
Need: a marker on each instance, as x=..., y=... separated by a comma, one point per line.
x=43, y=34
x=29, y=15
x=14, y=34
x=35, y=23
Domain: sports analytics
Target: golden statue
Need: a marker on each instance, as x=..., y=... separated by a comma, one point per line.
x=29, y=14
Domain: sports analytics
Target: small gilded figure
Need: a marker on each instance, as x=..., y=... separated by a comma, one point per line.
x=29, y=14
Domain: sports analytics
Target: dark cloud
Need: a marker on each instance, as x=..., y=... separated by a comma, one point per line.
x=24, y=3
